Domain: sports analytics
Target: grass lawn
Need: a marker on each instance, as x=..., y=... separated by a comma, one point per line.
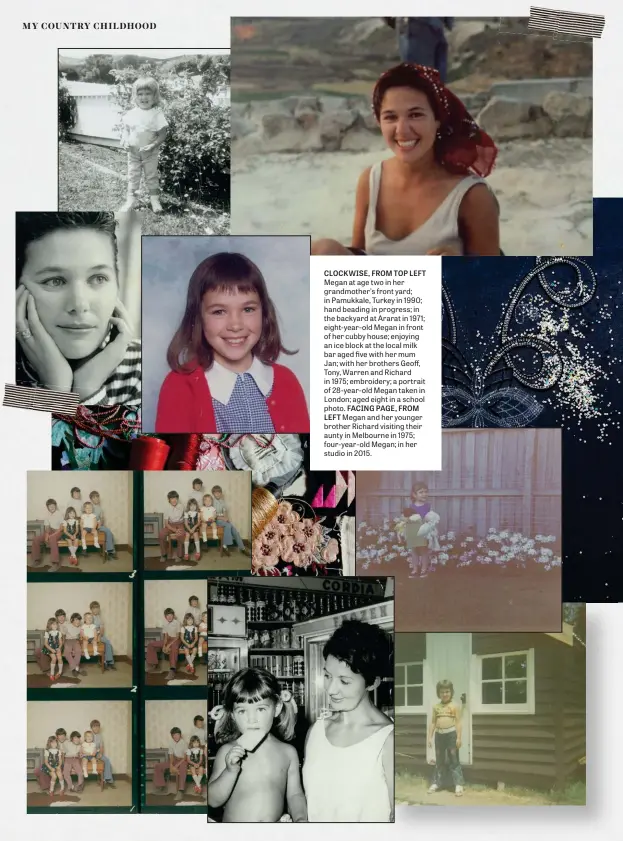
x=411, y=789
x=94, y=178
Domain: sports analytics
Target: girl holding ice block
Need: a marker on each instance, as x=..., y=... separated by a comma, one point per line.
x=255, y=773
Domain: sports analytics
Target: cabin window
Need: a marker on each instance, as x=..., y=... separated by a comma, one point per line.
x=505, y=682
x=409, y=687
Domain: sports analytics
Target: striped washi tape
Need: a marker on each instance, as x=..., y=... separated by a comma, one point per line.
x=566, y=23
x=40, y=399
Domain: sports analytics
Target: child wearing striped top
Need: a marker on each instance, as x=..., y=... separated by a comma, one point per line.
x=223, y=358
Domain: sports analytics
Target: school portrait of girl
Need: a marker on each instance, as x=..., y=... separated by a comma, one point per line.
x=77, y=305
x=227, y=329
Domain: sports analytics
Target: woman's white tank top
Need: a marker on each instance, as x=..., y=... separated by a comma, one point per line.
x=442, y=228
x=346, y=784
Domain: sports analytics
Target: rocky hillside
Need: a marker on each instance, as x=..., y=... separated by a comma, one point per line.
x=274, y=57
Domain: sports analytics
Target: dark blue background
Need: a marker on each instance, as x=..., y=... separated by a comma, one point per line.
x=592, y=469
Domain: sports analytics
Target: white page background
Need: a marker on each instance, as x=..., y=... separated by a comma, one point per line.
x=29, y=182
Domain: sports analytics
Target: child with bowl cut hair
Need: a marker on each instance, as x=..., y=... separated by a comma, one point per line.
x=446, y=728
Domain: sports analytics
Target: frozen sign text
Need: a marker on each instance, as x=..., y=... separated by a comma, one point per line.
x=376, y=374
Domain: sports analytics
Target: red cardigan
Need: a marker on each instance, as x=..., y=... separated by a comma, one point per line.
x=185, y=404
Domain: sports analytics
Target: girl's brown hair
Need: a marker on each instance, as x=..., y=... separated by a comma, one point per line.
x=51, y=739
x=187, y=617
x=444, y=684
x=229, y=273
x=51, y=620
x=252, y=686
x=67, y=513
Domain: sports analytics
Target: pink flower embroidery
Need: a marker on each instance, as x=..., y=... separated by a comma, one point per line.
x=265, y=554
x=331, y=551
x=296, y=552
x=285, y=514
x=273, y=532
x=307, y=531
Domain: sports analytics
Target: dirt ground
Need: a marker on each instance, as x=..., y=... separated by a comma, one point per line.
x=412, y=791
x=473, y=599
x=544, y=187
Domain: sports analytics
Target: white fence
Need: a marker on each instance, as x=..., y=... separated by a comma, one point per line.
x=98, y=115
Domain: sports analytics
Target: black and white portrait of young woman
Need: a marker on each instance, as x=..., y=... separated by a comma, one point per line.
x=78, y=305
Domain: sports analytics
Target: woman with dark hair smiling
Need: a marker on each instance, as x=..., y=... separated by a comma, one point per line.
x=348, y=771
x=431, y=197
x=73, y=332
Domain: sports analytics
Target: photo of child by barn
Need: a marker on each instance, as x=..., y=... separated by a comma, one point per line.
x=475, y=546
x=492, y=719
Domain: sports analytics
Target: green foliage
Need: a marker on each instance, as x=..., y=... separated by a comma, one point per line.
x=195, y=157
x=97, y=68
x=67, y=111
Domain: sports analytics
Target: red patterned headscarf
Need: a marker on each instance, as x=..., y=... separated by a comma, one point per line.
x=461, y=146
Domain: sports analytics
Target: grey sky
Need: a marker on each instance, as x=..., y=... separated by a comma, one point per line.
x=140, y=51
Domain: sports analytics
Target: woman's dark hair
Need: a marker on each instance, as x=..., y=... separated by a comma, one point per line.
x=30, y=227
x=461, y=146
x=405, y=76
x=366, y=649
x=230, y=273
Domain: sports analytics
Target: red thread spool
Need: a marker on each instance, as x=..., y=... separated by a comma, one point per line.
x=148, y=453
x=184, y=452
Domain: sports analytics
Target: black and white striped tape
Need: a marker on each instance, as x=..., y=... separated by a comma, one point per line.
x=566, y=23
x=40, y=399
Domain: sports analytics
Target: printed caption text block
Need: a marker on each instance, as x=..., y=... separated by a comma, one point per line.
x=376, y=369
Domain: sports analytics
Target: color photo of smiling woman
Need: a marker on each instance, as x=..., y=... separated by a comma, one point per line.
x=77, y=294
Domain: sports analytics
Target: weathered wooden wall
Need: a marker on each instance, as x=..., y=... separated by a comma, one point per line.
x=539, y=750
x=491, y=478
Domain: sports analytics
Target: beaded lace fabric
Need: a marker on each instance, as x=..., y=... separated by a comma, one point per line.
x=539, y=342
